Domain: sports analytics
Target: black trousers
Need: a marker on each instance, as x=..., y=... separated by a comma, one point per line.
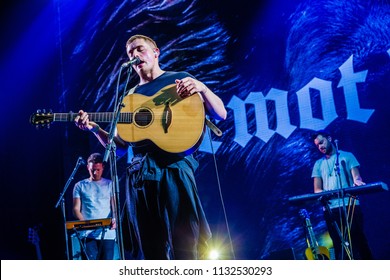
x=358, y=247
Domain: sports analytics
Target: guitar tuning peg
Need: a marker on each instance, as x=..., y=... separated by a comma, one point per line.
x=44, y=111
x=38, y=111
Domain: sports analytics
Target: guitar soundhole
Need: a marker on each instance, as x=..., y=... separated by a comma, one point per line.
x=143, y=117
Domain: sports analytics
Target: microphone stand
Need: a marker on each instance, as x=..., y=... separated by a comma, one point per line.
x=61, y=200
x=111, y=152
x=344, y=244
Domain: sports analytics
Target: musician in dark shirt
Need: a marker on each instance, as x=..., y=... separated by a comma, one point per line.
x=166, y=216
x=336, y=170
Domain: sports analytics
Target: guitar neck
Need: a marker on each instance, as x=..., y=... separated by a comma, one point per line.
x=38, y=251
x=103, y=117
x=313, y=240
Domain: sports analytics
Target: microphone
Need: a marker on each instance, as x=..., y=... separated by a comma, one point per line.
x=81, y=161
x=135, y=61
x=336, y=142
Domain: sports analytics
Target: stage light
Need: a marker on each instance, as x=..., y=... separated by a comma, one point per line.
x=214, y=255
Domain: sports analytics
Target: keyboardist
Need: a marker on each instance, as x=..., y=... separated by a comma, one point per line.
x=336, y=170
x=93, y=199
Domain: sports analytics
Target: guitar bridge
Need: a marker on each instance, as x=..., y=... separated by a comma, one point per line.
x=167, y=117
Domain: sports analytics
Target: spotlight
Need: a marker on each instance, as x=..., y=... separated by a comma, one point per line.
x=214, y=255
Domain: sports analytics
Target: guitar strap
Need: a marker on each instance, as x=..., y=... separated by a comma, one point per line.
x=212, y=126
x=131, y=91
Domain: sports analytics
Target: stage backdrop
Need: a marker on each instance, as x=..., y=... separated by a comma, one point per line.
x=283, y=69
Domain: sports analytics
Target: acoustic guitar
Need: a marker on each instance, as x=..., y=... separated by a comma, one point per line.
x=174, y=124
x=314, y=251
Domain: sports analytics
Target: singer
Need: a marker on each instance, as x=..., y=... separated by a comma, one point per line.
x=165, y=213
x=338, y=169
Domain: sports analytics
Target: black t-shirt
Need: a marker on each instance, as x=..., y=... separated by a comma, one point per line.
x=157, y=84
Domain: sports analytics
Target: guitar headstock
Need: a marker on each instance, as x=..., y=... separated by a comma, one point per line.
x=33, y=236
x=304, y=214
x=42, y=118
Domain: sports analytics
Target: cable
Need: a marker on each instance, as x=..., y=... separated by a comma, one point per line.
x=221, y=196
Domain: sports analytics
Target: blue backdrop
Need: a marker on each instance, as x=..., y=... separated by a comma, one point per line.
x=283, y=69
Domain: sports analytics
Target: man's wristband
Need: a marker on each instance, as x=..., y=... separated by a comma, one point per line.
x=95, y=129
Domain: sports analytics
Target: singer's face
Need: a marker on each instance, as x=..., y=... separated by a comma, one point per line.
x=144, y=51
x=95, y=171
x=323, y=144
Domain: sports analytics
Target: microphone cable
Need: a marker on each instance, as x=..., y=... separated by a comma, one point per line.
x=221, y=196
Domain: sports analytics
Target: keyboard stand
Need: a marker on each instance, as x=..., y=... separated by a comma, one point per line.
x=75, y=226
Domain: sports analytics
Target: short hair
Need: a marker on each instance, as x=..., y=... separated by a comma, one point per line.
x=322, y=132
x=138, y=36
x=95, y=158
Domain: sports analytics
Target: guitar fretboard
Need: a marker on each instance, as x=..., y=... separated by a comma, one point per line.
x=96, y=117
